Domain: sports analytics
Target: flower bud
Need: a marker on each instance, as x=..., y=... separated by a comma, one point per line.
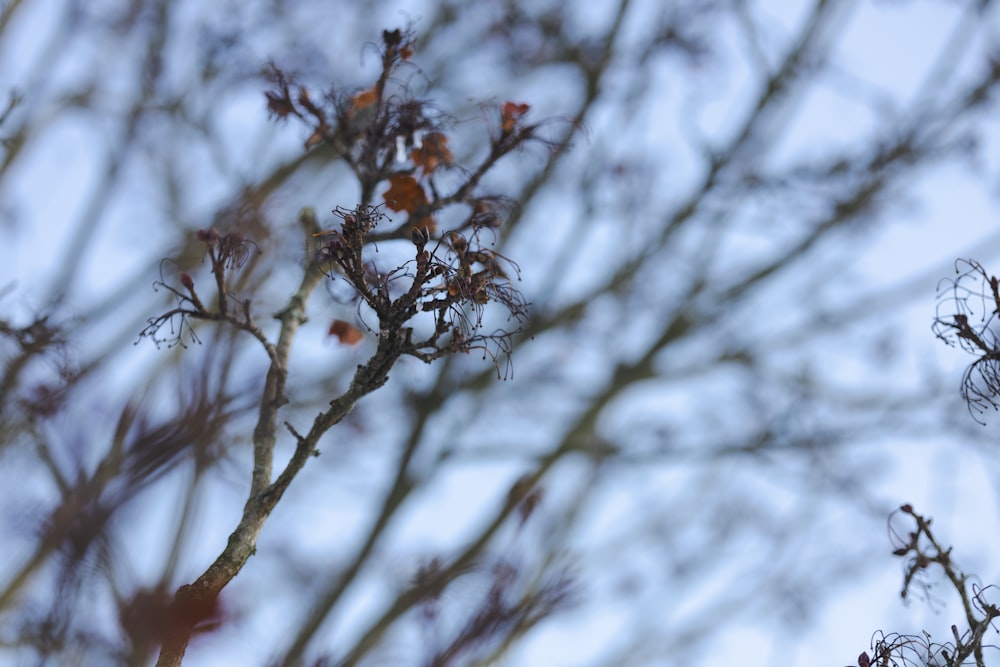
x=420, y=236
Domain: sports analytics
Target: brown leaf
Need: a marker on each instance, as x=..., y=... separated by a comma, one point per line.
x=510, y=113
x=404, y=194
x=315, y=138
x=433, y=152
x=363, y=100
x=346, y=332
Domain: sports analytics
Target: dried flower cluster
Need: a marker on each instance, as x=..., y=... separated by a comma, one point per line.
x=226, y=253
x=967, y=314
x=396, y=147
x=967, y=646
x=451, y=278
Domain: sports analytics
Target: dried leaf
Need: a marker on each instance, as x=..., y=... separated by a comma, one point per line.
x=510, y=113
x=404, y=194
x=279, y=106
x=433, y=152
x=346, y=332
x=363, y=100
x=315, y=139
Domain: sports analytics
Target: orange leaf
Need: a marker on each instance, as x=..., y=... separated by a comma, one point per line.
x=363, y=100
x=404, y=194
x=510, y=112
x=433, y=151
x=314, y=139
x=346, y=332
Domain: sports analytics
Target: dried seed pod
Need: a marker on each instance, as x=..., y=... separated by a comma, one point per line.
x=485, y=213
x=457, y=242
x=420, y=236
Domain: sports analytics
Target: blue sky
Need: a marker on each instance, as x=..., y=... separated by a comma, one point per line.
x=880, y=54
